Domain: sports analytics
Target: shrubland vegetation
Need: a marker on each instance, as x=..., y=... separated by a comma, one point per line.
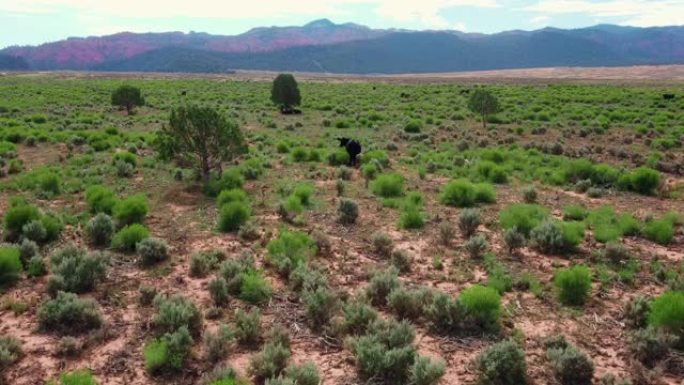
x=211, y=237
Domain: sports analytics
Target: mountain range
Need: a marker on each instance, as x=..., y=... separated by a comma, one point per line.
x=323, y=46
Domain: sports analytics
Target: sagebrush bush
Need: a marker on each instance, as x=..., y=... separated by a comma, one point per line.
x=217, y=345
x=174, y=312
x=320, y=303
x=636, y=312
x=99, y=230
x=502, y=363
x=357, y=317
x=36, y=267
x=426, y=371
x=27, y=250
x=247, y=326
x=552, y=237
x=68, y=347
x=68, y=314
x=514, y=239
x=401, y=260
x=574, y=285
x=270, y=361
x=233, y=215
x=529, y=194
x=468, y=222
x=218, y=289
x=476, y=246
x=388, y=185
x=10, y=350
x=651, y=345
x=52, y=225
x=382, y=244
x=100, y=199
x=524, y=216
x=290, y=249
x=482, y=305
x=408, y=303
x=446, y=233
x=151, y=251
x=128, y=237
x=305, y=373
x=130, y=210
x=34, y=231
x=10, y=265
x=201, y=263
x=572, y=366
x=79, y=272
x=667, y=312
x=381, y=284
x=348, y=211
x=385, y=353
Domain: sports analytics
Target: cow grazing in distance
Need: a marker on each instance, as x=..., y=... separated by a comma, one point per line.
x=353, y=148
x=289, y=111
x=668, y=96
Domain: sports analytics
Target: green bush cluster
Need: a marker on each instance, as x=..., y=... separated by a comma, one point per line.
x=462, y=193
x=289, y=250
x=130, y=210
x=523, y=216
x=389, y=185
x=10, y=266
x=574, y=285
x=128, y=237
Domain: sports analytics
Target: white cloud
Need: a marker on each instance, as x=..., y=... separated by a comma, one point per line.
x=541, y=19
x=629, y=12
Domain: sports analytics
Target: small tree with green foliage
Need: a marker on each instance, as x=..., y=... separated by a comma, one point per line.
x=484, y=103
x=127, y=97
x=285, y=92
x=200, y=135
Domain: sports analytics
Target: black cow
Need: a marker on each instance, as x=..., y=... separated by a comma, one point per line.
x=184, y=93
x=668, y=96
x=353, y=148
x=289, y=111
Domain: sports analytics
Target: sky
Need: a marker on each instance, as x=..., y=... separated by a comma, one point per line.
x=32, y=22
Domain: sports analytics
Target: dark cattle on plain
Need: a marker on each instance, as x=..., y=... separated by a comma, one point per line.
x=668, y=96
x=353, y=148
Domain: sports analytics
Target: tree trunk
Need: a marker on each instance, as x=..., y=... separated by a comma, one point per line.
x=484, y=121
x=129, y=108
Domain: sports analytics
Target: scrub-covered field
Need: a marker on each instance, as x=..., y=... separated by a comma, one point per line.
x=546, y=248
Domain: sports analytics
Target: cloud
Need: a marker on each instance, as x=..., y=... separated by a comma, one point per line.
x=628, y=12
x=421, y=12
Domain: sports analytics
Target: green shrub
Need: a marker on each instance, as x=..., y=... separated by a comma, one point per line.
x=254, y=288
x=231, y=179
x=233, y=195
x=388, y=185
x=52, y=225
x=572, y=367
x=338, y=157
x=201, y=263
x=100, y=199
x=10, y=265
x=381, y=285
x=304, y=374
x=169, y=352
x=128, y=237
x=49, y=184
x=247, y=326
x=299, y=154
x=151, y=251
x=641, y=180
x=411, y=217
x=77, y=377
x=425, y=371
x=574, y=284
x=79, y=272
x=16, y=216
x=99, y=230
x=10, y=350
x=174, y=312
x=667, y=311
x=413, y=127
x=574, y=213
x=130, y=210
x=660, y=231
x=552, y=237
x=270, y=361
x=232, y=215
x=524, y=216
x=458, y=193
x=34, y=231
x=68, y=314
x=348, y=211
x=125, y=156
x=482, y=305
x=502, y=364
x=290, y=249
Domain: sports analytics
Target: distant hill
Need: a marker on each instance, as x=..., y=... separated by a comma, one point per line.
x=322, y=46
x=12, y=63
